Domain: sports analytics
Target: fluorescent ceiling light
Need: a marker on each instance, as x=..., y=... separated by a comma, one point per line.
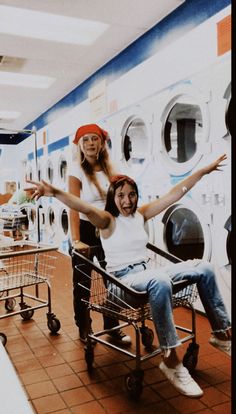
x=39, y=25
x=9, y=114
x=28, y=81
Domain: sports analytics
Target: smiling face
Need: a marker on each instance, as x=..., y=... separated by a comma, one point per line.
x=126, y=199
x=90, y=145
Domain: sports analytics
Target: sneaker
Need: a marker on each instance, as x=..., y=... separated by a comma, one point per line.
x=224, y=346
x=83, y=337
x=180, y=378
x=120, y=337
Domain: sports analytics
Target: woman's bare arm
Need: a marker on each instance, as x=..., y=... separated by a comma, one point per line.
x=98, y=218
x=178, y=191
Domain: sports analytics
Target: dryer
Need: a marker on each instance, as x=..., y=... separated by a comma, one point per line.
x=182, y=127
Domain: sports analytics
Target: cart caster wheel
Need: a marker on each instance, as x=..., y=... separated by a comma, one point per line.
x=27, y=314
x=54, y=325
x=134, y=383
x=10, y=304
x=147, y=337
x=190, y=358
x=89, y=357
x=3, y=338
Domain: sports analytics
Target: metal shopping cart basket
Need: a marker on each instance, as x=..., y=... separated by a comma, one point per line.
x=23, y=267
x=131, y=307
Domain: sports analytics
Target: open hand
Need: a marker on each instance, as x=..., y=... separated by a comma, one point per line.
x=215, y=165
x=41, y=188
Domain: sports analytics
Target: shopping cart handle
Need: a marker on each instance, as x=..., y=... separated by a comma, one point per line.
x=163, y=253
x=143, y=296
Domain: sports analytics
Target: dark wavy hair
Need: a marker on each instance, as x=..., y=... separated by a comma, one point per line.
x=115, y=182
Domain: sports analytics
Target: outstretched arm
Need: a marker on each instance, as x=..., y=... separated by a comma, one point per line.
x=98, y=218
x=178, y=191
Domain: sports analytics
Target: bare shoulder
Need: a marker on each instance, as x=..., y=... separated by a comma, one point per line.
x=109, y=229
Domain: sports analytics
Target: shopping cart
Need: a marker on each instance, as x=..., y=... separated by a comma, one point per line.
x=23, y=267
x=108, y=295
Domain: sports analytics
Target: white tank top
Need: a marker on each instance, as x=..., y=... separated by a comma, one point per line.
x=89, y=192
x=127, y=244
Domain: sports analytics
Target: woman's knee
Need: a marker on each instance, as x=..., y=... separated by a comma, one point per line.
x=162, y=285
x=207, y=269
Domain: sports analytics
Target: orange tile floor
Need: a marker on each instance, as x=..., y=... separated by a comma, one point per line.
x=54, y=372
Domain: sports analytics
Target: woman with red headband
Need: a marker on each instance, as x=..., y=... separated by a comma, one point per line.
x=89, y=179
x=124, y=239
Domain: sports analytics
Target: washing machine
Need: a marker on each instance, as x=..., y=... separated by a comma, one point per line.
x=184, y=230
x=51, y=229
x=63, y=229
x=222, y=228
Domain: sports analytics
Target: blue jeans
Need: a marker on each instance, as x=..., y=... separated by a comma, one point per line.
x=157, y=282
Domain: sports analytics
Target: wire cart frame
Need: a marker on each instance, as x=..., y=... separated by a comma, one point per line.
x=106, y=294
x=23, y=267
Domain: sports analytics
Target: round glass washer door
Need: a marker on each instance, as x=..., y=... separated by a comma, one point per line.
x=49, y=171
x=136, y=143
x=185, y=234
x=51, y=220
x=64, y=221
x=62, y=169
x=185, y=130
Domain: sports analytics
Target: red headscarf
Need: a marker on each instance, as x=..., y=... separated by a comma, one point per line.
x=120, y=177
x=90, y=129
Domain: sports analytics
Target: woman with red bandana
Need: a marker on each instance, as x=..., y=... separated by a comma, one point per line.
x=89, y=179
x=124, y=239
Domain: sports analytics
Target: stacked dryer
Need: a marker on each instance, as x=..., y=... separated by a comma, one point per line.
x=132, y=149
x=56, y=229
x=186, y=135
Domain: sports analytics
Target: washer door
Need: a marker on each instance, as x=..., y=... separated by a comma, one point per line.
x=186, y=235
x=62, y=169
x=64, y=221
x=136, y=144
x=49, y=171
x=52, y=227
x=185, y=131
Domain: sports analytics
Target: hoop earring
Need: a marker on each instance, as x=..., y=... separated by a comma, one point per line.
x=82, y=160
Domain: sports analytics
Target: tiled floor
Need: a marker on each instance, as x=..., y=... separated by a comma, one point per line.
x=54, y=372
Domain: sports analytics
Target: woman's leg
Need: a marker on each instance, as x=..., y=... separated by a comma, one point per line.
x=159, y=288
x=81, y=313
x=203, y=275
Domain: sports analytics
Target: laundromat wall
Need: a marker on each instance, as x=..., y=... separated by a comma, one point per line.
x=164, y=101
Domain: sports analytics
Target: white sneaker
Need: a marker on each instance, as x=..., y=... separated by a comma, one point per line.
x=180, y=378
x=224, y=346
x=120, y=337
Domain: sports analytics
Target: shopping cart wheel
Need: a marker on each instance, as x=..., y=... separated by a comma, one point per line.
x=134, y=383
x=26, y=314
x=89, y=356
x=54, y=325
x=147, y=337
x=3, y=338
x=190, y=358
x=10, y=304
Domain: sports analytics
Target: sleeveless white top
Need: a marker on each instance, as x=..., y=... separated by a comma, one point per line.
x=127, y=244
x=88, y=190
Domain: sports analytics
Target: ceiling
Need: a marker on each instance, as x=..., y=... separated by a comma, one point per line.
x=69, y=64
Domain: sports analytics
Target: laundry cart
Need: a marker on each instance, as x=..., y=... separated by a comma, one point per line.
x=106, y=294
x=25, y=271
